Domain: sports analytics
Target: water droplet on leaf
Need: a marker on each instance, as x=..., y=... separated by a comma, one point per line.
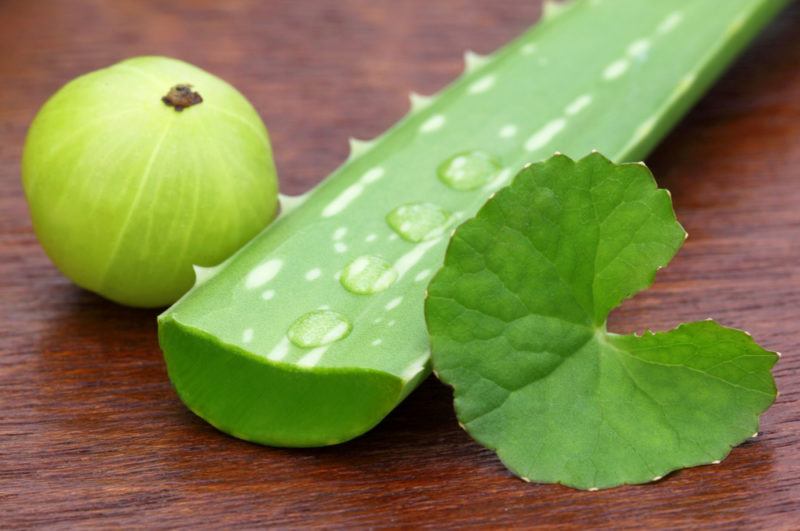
x=368, y=274
x=416, y=222
x=468, y=170
x=318, y=328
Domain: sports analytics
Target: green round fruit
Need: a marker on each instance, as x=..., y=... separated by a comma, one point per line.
x=136, y=172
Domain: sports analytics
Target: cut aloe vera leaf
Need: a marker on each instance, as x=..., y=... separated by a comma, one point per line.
x=314, y=331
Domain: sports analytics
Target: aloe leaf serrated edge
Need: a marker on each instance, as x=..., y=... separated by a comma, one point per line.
x=594, y=74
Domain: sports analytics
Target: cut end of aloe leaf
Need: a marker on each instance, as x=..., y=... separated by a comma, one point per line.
x=273, y=403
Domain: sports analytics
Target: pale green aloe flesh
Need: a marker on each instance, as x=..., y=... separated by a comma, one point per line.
x=244, y=350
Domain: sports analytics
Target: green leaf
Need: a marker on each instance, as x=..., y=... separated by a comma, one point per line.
x=517, y=320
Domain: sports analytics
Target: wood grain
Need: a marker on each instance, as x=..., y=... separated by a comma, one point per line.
x=91, y=434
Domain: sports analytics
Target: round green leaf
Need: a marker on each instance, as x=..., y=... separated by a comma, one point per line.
x=517, y=320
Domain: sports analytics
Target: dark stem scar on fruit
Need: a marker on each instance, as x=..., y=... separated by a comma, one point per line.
x=182, y=96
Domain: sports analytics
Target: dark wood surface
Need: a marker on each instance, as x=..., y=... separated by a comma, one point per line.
x=91, y=432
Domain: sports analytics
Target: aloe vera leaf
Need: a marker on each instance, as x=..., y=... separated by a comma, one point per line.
x=271, y=347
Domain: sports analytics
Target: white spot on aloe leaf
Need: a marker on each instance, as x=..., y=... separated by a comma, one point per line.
x=313, y=274
x=342, y=200
x=312, y=358
x=638, y=49
x=432, y=124
x=528, y=49
x=371, y=237
x=280, y=350
x=578, y=104
x=350, y=193
x=406, y=262
x=263, y=273
x=422, y=275
x=268, y=294
x=247, y=335
x=394, y=303
x=482, y=85
x=340, y=247
x=502, y=178
x=415, y=367
x=372, y=175
x=376, y=342
x=340, y=233
x=546, y=134
x=391, y=322
x=670, y=23
x=508, y=131
x=616, y=69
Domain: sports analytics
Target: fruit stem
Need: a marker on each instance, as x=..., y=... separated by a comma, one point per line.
x=182, y=96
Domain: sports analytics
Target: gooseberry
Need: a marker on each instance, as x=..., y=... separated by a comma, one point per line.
x=136, y=172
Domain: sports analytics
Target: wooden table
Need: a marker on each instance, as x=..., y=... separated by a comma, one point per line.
x=91, y=432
